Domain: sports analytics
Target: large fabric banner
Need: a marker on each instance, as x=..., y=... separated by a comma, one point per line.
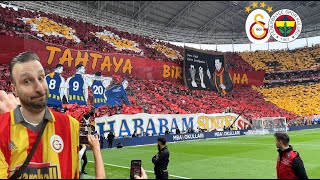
x=247, y=78
x=126, y=125
x=206, y=71
x=108, y=63
x=114, y=63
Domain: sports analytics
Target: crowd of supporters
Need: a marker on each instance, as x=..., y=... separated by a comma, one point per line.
x=299, y=99
x=156, y=97
x=11, y=23
x=276, y=60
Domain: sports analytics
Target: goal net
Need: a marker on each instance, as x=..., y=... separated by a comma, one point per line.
x=267, y=125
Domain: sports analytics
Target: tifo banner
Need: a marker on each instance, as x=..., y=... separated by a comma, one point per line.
x=108, y=63
x=126, y=125
x=113, y=63
x=247, y=78
x=206, y=71
x=196, y=74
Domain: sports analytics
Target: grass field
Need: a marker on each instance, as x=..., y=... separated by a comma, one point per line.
x=238, y=157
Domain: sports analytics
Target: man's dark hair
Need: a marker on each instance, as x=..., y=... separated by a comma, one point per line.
x=21, y=58
x=78, y=66
x=58, y=65
x=220, y=60
x=162, y=140
x=86, y=115
x=97, y=73
x=283, y=137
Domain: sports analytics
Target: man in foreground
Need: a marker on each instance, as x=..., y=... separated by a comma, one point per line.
x=56, y=155
x=161, y=160
x=289, y=163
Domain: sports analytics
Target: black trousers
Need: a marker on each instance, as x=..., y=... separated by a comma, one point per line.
x=110, y=144
x=85, y=161
x=101, y=144
x=163, y=175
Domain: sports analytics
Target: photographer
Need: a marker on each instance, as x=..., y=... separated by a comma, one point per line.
x=85, y=161
x=110, y=138
x=161, y=160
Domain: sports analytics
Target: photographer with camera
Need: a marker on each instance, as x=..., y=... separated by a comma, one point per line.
x=161, y=160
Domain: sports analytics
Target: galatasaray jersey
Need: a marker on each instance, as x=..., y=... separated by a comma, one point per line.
x=97, y=91
x=57, y=154
x=76, y=94
x=54, y=81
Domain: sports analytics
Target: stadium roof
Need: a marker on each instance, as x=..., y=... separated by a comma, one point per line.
x=205, y=22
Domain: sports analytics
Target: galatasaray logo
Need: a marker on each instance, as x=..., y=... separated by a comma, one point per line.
x=257, y=26
x=257, y=23
x=56, y=143
x=285, y=25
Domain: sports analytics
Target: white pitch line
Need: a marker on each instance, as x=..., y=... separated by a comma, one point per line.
x=125, y=167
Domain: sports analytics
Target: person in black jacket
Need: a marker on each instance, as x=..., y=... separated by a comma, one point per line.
x=177, y=131
x=101, y=140
x=289, y=164
x=110, y=138
x=161, y=160
x=85, y=161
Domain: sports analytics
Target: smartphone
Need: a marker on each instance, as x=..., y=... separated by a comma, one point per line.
x=135, y=168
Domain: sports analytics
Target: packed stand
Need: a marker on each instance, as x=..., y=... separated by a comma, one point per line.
x=276, y=60
x=302, y=100
x=159, y=97
x=235, y=62
x=68, y=32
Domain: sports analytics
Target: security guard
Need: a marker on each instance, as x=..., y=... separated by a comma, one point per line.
x=289, y=163
x=161, y=160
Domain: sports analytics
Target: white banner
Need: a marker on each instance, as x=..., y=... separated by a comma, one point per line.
x=125, y=125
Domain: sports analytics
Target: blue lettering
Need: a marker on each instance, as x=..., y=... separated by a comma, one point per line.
x=102, y=131
x=174, y=121
x=127, y=130
x=185, y=125
x=152, y=127
x=136, y=125
x=161, y=125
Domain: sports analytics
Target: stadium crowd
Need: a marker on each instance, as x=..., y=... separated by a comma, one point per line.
x=165, y=97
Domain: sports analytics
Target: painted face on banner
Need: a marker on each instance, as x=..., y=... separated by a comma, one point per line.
x=125, y=84
x=59, y=70
x=218, y=64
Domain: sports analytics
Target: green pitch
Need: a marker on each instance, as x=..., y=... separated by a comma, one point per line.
x=238, y=157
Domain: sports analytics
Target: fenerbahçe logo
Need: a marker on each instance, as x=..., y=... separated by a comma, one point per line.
x=56, y=143
x=285, y=25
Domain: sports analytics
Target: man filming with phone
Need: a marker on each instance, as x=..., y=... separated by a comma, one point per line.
x=161, y=160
